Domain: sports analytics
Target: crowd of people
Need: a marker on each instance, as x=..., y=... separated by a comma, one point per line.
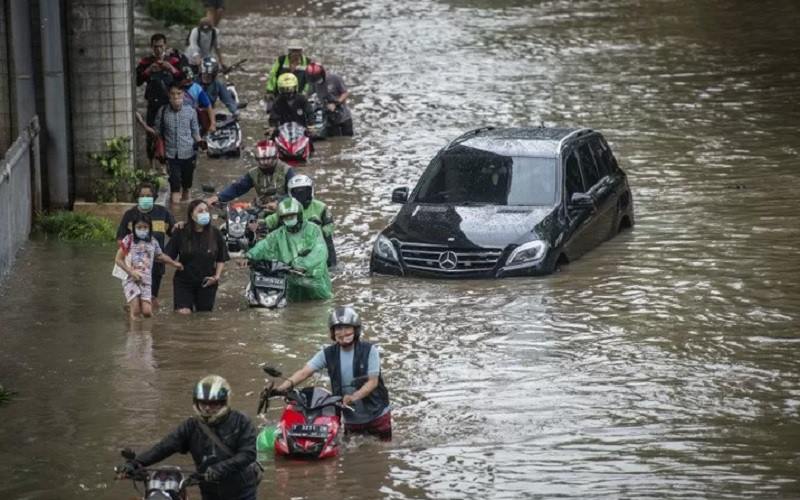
x=181, y=90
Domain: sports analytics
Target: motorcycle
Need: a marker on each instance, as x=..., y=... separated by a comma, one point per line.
x=227, y=139
x=267, y=285
x=236, y=231
x=310, y=426
x=160, y=483
x=293, y=143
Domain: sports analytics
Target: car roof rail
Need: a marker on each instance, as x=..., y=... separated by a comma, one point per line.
x=579, y=132
x=471, y=133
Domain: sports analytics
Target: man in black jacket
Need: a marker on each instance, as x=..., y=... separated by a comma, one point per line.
x=353, y=366
x=222, y=442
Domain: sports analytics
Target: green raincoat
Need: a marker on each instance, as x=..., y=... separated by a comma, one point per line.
x=286, y=247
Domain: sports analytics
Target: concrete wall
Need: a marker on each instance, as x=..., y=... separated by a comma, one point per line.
x=99, y=41
x=5, y=84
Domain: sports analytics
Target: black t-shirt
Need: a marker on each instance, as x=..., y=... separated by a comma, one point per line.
x=162, y=223
x=294, y=109
x=199, y=260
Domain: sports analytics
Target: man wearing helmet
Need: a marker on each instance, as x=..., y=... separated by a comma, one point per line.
x=331, y=91
x=213, y=87
x=222, y=442
x=269, y=179
x=354, y=368
x=291, y=105
x=301, y=188
x=297, y=243
x=295, y=62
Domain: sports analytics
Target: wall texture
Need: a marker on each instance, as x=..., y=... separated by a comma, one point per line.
x=5, y=84
x=99, y=41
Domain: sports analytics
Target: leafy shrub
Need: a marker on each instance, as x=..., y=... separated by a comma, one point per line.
x=76, y=226
x=185, y=13
x=121, y=179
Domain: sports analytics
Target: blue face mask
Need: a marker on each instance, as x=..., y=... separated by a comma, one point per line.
x=142, y=234
x=145, y=203
x=203, y=218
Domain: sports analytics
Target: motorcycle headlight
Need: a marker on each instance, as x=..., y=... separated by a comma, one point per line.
x=527, y=253
x=236, y=229
x=384, y=249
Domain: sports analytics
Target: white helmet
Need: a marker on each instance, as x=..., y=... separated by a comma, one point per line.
x=302, y=189
x=212, y=389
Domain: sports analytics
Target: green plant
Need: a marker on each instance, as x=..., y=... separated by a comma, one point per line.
x=182, y=12
x=76, y=226
x=121, y=179
x=5, y=395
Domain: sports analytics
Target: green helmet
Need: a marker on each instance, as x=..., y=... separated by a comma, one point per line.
x=287, y=208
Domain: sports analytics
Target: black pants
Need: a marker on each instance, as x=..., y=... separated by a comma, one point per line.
x=181, y=173
x=194, y=297
x=150, y=119
x=340, y=129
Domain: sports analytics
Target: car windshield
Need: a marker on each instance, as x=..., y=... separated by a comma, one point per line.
x=470, y=176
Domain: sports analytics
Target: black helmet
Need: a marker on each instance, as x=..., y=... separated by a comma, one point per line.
x=209, y=66
x=212, y=388
x=344, y=316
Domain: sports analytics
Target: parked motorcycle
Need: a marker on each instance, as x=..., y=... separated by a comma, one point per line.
x=310, y=426
x=159, y=483
x=293, y=143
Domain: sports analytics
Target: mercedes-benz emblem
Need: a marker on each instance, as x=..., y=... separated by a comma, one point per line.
x=448, y=260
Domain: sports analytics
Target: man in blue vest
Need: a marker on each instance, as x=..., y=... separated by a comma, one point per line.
x=355, y=371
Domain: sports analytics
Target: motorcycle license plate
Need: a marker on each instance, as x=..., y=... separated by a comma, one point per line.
x=270, y=282
x=309, y=431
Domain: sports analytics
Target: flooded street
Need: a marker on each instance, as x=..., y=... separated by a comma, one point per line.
x=663, y=364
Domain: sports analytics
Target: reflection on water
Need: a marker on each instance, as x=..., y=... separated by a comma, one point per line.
x=662, y=364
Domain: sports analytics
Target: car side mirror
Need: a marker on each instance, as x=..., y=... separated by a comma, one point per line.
x=400, y=195
x=581, y=201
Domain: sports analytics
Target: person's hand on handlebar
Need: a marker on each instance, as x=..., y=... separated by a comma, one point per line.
x=212, y=200
x=127, y=469
x=243, y=263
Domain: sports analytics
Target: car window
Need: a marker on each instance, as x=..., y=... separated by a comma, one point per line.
x=574, y=181
x=606, y=163
x=468, y=175
x=588, y=167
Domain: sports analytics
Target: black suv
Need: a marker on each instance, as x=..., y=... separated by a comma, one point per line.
x=501, y=202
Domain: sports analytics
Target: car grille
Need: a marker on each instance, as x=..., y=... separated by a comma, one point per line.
x=443, y=259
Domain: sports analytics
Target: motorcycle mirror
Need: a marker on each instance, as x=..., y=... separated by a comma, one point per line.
x=128, y=454
x=208, y=188
x=271, y=371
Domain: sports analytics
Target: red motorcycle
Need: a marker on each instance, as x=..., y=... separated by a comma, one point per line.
x=293, y=142
x=311, y=424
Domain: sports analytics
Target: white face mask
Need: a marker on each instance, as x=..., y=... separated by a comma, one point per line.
x=142, y=234
x=290, y=221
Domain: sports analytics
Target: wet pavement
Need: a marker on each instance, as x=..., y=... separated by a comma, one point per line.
x=663, y=364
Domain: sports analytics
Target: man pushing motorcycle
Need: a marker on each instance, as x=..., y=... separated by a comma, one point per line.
x=354, y=368
x=297, y=243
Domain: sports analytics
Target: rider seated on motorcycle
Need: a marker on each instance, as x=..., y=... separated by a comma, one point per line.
x=269, y=179
x=290, y=106
x=354, y=368
x=214, y=87
x=227, y=474
x=301, y=188
x=331, y=91
x=297, y=243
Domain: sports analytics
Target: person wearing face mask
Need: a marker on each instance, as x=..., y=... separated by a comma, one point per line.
x=354, y=367
x=162, y=222
x=136, y=256
x=202, y=251
x=301, y=188
x=269, y=179
x=299, y=244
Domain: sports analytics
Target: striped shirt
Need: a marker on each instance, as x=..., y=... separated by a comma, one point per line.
x=179, y=130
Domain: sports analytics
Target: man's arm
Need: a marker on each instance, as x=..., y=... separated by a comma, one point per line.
x=272, y=78
x=236, y=189
x=175, y=442
x=226, y=97
x=296, y=378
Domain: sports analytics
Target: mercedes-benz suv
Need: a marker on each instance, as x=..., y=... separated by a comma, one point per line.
x=501, y=202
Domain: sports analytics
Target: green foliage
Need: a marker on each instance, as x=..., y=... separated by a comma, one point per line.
x=76, y=226
x=121, y=179
x=185, y=13
x=5, y=395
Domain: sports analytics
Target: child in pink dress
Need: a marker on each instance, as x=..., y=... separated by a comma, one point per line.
x=141, y=249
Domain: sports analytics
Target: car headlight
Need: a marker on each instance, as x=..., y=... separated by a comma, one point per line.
x=384, y=249
x=527, y=253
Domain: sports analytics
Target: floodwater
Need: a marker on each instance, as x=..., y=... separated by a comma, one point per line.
x=663, y=364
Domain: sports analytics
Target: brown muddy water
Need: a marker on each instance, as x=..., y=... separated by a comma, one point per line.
x=661, y=365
